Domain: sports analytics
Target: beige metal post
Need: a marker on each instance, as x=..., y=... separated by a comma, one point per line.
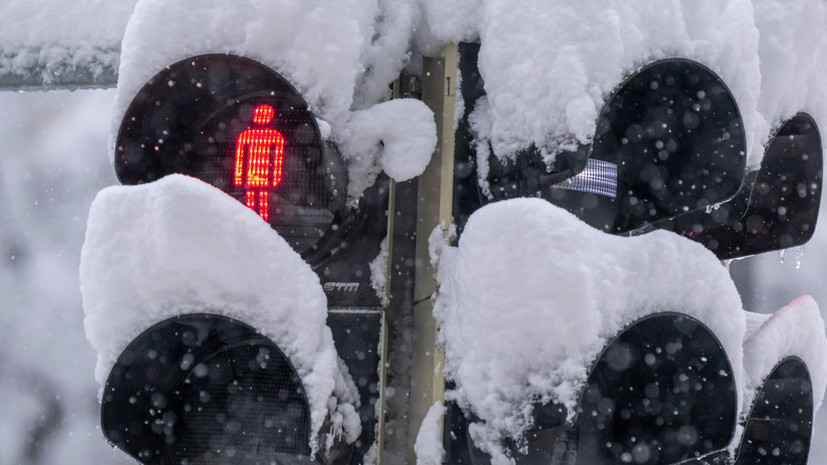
x=435, y=203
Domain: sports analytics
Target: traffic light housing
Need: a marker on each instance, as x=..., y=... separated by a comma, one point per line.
x=242, y=128
x=669, y=140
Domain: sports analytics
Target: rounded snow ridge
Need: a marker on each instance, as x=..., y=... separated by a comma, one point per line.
x=531, y=296
x=178, y=246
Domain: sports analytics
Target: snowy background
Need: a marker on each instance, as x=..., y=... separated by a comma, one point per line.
x=52, y=164
x=54, y=157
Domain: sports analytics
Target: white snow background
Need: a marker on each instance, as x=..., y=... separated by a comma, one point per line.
x=771, y=53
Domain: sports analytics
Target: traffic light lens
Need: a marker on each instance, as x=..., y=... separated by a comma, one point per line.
x=206, y=389
x=275, y=165
x=238, y=125
x=259, y=156
x=236, y=405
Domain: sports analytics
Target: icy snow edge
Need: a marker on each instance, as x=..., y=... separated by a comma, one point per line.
x=180, y=246
x=796, y=330
x=531, y=295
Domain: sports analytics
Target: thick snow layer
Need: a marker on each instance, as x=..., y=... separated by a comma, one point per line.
x=795, y=330
x=428, y=446
x=549, y=66
x=397, y=137
x=179, y=246
x=531, y=294
x=341, y=56
x=793, y=54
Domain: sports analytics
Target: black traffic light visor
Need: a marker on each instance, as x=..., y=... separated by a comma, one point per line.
x=779, y=428
x=783, y=205
x=206, y=389
x=670, y=140
x=241, y=127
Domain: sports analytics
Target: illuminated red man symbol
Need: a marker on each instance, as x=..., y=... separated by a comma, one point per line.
x=255, y=168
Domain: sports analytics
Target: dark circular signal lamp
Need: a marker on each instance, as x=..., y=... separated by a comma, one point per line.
x=206, y=389
x=669, y=140
x=663, y=391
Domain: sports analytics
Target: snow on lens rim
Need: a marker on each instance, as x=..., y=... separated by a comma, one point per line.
x=239, y=126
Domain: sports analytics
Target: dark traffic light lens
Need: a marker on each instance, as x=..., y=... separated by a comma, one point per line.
x=780, y=426
x=239, y=126
x=206, y=389
x=663, y=391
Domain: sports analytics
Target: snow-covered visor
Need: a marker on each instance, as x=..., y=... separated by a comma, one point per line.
x=669, y=140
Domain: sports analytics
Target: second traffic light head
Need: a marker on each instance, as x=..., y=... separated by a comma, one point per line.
x=193, y=277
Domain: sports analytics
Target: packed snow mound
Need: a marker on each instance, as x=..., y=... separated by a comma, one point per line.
x=397, y=137
x=531, y=295
x=796, y=330
x=341, y=56
x=428, y=447
x=549, y=67
x=180, y=246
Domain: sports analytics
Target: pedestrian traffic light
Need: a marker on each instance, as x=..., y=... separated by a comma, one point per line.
x=241, y=127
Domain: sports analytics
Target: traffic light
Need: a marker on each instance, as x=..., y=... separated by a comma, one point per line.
x=556, y=357
x=669, y=141
x=240, y=127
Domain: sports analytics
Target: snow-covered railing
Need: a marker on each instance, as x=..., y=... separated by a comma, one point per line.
x=51, y=44
x=51, y=68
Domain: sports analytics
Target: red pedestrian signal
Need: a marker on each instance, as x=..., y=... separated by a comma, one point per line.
x=241, y=127
x=259, y=157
